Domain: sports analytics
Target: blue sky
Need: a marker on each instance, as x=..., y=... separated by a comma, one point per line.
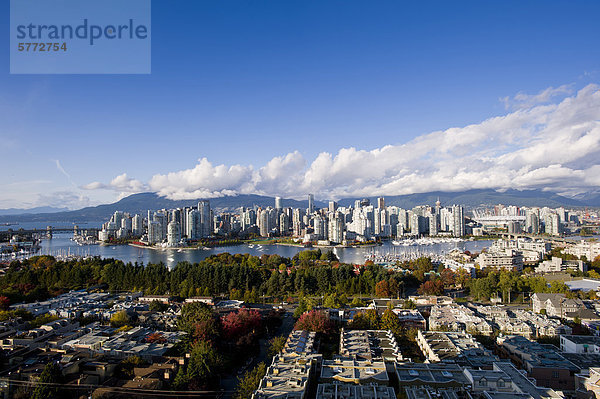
x=240, y=83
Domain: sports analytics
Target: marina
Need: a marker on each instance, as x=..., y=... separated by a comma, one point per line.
x=62, y=246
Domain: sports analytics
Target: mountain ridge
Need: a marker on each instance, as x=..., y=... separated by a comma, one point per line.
x=142, y=202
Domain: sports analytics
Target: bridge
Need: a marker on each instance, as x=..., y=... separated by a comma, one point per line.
x=514, y=236
x=48, y=231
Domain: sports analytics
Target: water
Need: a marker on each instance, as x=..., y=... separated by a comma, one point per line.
x=43, y=225
x=61, y=244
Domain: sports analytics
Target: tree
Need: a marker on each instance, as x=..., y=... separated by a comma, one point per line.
x=45, y=388
x=125, y=368
x=204, y=363
x=382, y=289
x=249, y=382
x=156, y=337
x=390, y=321
x=408, y=304
x=276, y=345
x=4, y=302
x=431, y=287
x=329, y=255
x=367, y=320
x=315, y=321
x=462, y=277
x=157, y=306
x=199, y=321
x=304, y=305
x=357, y=303
x=241, y=323
x=120, y=319
x=448, y=278
x=558, y=287
x=335, y=301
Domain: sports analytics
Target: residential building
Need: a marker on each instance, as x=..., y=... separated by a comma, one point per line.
x=455, y=347
x=369, y=345
x=508, y=259
x=556, y=265
x=542, y=362
x=555, y=305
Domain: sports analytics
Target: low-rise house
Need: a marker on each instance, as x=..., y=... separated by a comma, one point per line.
x=555, y=305
x=351, y=391
x=369, y=345
x=360, y=372
x=436, y=375
x=411, y=318
x=454, y=347
x=458, y=318
x=579, y=344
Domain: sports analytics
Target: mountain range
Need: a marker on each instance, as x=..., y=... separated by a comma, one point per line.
x=142, y=202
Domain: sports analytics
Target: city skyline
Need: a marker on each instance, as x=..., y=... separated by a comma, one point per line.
x=295, y=100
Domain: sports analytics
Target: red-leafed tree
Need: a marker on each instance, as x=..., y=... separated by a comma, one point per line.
x=4, y=302
x=156, y=338
x=241, y=323
x=432, y=287
x=316, y=321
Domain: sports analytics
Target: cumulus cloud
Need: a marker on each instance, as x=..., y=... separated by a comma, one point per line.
x=539, y=144
x=122, y=183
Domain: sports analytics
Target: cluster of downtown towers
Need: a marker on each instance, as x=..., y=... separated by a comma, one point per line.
x=361, y=222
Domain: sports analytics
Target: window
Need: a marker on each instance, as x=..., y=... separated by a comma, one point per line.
x=483, y=382
x=500, y=383
x=555, y=374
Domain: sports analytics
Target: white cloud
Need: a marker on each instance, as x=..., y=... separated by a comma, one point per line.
x=122, y=183
x=522, y=100
x=540, y=144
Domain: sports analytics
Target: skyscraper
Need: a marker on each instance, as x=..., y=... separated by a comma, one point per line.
x=205, y=218
x=173, y=233
x=458, y=217
x=380, y=202
x=278, y=204
x=311, y=203
x=332, y=206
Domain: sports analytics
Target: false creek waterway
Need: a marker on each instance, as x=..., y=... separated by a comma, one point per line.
x=61, y=245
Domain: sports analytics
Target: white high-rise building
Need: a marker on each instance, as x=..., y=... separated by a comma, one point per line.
x=137, y=225
x=552, y=224
x=191, y=224
x=320, y=227
x=336, y=228
x=458, y=218
x=311, y=204
x=278, y=206
x=333, y=206
x=173, y=233
x=297, y=222
x=433, y=224
x=284, y=223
